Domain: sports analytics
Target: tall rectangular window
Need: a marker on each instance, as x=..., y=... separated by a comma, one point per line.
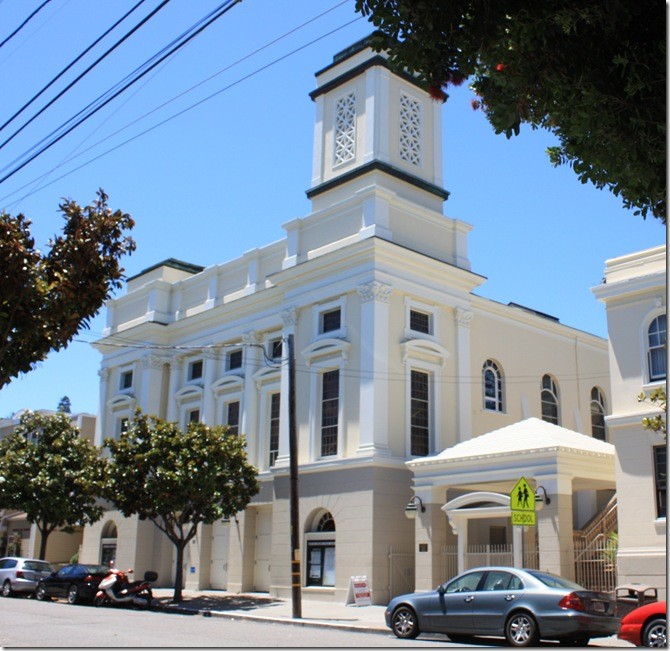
x=126, y=380
x=420, y=411
x=195, y=370
x=661, y=479
x=234, y=360
x=232, y=416
x=331, y=320
x=330, y=407
x=275, y=403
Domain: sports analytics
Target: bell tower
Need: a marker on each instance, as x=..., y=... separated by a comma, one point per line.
x=374, y=123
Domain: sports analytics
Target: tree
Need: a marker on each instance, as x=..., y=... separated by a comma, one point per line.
x=51, y=297
x=51, y=473
x=178, y=479
x=593, y=74
x=658, y=399
x=64, y=405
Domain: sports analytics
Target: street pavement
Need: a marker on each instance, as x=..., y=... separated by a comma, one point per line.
x=260, y=606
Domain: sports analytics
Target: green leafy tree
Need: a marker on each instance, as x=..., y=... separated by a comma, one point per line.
x=45, y=299
x=64, y=405
x=592, y=73
x=52, y=474
x=656, y=423
x=177, y=479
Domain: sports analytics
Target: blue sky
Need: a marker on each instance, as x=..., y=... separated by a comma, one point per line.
x=227, y=155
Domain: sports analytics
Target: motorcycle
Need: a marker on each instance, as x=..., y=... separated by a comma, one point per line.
x=116, y=589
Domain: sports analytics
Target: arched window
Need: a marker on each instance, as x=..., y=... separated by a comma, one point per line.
x=657, y=344
x=492, y=384
x=549, y=398
x=598, y=430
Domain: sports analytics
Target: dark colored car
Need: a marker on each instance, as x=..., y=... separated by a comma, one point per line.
x=521, y=605
x=21, y=575
x=646, y=626
x=76, y=582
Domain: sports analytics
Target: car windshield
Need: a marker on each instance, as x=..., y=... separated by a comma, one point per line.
x=554, y=581
x=38, y=566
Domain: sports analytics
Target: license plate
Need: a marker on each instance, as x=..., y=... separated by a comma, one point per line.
x=599, y=606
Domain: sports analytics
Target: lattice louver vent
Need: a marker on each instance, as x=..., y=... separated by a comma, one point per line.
x=345, y=128
x=410, y=130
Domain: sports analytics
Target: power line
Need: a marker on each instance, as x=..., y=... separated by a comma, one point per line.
x=178, y=114
x=64, y=70
x=25, y=22
x=93, y=65
x=220, y=13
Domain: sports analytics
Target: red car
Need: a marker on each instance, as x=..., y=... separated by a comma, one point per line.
x=646, y=626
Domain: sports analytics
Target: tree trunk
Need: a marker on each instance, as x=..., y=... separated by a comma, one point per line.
x=44, y=536
x=179, y=573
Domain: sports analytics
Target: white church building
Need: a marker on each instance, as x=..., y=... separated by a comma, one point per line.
x=410, y=385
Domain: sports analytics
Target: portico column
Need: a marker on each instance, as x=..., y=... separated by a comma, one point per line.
x=554, y=526
x=208, y=403
x=151, y=387
x=176, y=364
x=430, y=538
x=101, y=421
x=463, y=319
x=374, y=409
x=290, y=319
x=249, y=425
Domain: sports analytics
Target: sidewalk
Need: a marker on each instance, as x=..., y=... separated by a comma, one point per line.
x=260, y=606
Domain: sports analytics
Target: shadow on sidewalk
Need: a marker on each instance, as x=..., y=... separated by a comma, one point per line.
x=228, y=602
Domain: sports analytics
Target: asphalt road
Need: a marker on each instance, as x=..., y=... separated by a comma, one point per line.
x=30, y=623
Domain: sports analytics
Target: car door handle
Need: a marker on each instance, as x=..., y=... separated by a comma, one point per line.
x=509, y=597
x=467, y=600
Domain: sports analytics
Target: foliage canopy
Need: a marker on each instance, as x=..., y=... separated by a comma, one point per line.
x=593, y=74
x=178, y=479
x=51, y=473
x=50, y=297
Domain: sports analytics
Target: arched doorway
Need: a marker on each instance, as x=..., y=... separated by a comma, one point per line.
x=320, y=545
x=108, y=543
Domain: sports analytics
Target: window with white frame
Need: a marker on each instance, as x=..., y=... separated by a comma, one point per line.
x=345, y=128
x=492, y=383
x=419, y=413
x=234, y=359
x=231, y=416
x=549, y=398
x=330, y=408
x=195, y=370
x=421, y=320
x=122, y=425
x=598, y=430
x=126, y=380
x=275, y=348
x=657, y=348
x=192, y=416
x=273, y=442
x=410, y=130
x=661, y=479
x=329, y=319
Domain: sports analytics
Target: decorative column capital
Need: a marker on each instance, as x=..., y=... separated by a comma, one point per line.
x=154, y=362
x=374, y=291
x=104, y=373
x=463, y=317
x=251, y=338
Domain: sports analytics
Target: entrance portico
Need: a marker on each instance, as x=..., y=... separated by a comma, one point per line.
x=482, y=471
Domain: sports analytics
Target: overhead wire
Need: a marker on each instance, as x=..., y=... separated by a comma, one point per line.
x=220, y=13
x=72, y=63
x=25, y=22
x=179, y=113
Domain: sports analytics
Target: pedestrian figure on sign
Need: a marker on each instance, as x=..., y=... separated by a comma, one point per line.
x=525, y=497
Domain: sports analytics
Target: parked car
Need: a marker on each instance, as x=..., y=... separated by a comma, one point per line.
x=21, y=575
x=646, y=626
x=522, y=605
x=76, y=582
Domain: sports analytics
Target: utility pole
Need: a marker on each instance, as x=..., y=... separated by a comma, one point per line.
x=293, y=494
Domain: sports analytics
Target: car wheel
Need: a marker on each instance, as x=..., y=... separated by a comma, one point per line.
x=521, y=630
x=41, y=593
x=72, y=594
x=655, y=633
x=404, y=623
x=7, y=589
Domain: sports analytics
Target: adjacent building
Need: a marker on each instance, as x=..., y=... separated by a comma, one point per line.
x=634, y=291
x=409, y=384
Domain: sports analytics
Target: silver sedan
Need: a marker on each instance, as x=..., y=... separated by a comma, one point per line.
x=521, y=605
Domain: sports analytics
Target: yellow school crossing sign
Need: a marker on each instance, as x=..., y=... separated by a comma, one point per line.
x=522, y=503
